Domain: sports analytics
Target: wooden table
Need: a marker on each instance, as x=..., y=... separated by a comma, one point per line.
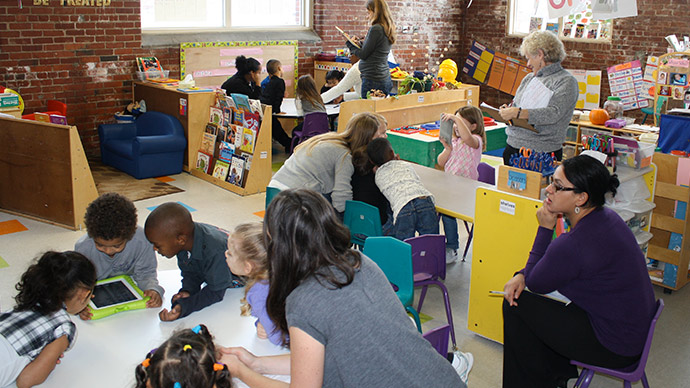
x=107, y=350
x=454, y=195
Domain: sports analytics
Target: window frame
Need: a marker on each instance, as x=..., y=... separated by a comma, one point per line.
x=308, y=18
x=512, y=9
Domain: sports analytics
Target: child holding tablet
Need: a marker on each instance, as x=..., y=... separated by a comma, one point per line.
x=117, y=246
x=200, y=252
x=461, y=157
x=186, y=360
x=38, y=331
x=246, y=256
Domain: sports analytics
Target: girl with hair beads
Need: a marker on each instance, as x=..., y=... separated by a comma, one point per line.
x=246, y=256
x=186, y=360
x=38, y=331
x=461, y=157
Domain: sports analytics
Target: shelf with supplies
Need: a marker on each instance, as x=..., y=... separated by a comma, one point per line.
x=323, y=67
x=576, y=129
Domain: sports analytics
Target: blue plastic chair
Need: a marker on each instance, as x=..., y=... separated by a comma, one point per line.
x=394, y=257
x=363, y=220
x=270, y=193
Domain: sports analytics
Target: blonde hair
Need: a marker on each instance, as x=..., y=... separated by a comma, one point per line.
x=358, y=133
x=382, y=15
x=547, y=42
x=474, y=116
x=249, y=244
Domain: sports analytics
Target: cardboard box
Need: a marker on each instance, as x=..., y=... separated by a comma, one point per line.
x=9, y=100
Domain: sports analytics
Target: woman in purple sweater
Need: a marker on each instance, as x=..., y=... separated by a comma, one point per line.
x=597, y=265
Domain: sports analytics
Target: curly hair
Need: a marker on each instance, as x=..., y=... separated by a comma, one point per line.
x=53, y=279
x=111, y=216
x=188, y=357
x=546, y=41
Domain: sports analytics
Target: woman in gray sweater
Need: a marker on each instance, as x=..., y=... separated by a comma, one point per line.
x=545, y=98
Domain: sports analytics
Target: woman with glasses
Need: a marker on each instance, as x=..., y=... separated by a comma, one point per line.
x=598, y=265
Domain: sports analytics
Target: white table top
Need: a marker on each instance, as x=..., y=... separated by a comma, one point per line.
x=108, y=350
x=454, y=195
x=290, y=110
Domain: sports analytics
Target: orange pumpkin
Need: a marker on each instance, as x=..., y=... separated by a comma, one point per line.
x=598, y=116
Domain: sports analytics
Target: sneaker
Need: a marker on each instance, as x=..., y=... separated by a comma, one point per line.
x=462, y=362
x=451, y=256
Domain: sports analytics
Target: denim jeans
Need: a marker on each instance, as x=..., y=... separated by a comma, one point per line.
x=418, y=215
x=450, y=228
x=384, y=86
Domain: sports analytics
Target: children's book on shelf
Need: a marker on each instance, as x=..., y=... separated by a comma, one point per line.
x=58, y=119
x=256, y=108
x=44, y=117
x=203, y=162
x=221, y=169
x=236, y=170
x=220, y=134
x=227, y=150
x=223, y=101
x=237, y=116
x=227, y=116
x=215, y=116
x=248, y=137
x=211, y=128
x=208, y=143
x=252, y=121
x=238, y=136
x=149, y=64
x=241, y=101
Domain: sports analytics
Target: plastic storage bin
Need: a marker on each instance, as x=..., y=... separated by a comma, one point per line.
x=642, y=211
x=643, y=238
x=144, y=75
x=626, y=215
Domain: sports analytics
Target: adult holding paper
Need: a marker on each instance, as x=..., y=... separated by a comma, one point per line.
x=545, y=98
x=373, y=54
x=597, y=265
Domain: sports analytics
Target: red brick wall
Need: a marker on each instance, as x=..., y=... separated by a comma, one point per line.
x=633, y=38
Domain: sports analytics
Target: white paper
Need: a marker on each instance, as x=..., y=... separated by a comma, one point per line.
x=560, y=8
x=535, y=96
x=613, y=9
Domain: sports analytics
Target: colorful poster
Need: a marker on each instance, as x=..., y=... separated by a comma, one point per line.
x=478, y=61
x=507, y=73
x=589, y=87
x=625, y=81
x=560, y=8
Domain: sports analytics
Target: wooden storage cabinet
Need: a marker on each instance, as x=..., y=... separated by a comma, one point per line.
x=576, y=143
x=664, y=224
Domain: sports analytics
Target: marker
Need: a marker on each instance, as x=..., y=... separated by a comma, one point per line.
x=497, y=292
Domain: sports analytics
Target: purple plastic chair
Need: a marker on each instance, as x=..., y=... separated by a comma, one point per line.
x=630, y=374
x=315, y=123
x=429, y=267
x=439, y=339
x=487, y=175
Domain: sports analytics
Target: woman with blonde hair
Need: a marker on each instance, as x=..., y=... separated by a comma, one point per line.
x=546, y=98
x=373, y=51
x=324, y=162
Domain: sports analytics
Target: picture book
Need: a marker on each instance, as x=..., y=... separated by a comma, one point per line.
x=44, y=117
x=215, y=116
x=230, y=134
x=248, y=137
x=208, y=142
x=227, y=116
x=241, y=101
x=227, y=150
x=223, y=101
x=211, y=128
x=236, y=171
x=220, y=135
x=252, y=121
x=238, y=136
x=149, y=64
x=237, y=116
x=203, y=162
x=58, y=119
x=220, y=170
x=256, y=108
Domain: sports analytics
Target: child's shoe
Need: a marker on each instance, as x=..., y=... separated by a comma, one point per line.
x=462, y=362
x=451, y=256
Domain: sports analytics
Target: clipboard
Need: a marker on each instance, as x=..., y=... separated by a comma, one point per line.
x=347, y=36
x=494, y=114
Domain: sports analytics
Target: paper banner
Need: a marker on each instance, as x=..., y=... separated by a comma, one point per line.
x=626, y=82
x=589, y=88
x=507, y=73
x=478, y=61
x=560, y=8
x=613, y=9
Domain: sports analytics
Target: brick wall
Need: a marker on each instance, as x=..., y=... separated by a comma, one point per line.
x=633, y=38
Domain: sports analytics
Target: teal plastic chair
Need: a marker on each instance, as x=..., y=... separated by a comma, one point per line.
x=270, y=193
x=394, y=257
x=363, y=220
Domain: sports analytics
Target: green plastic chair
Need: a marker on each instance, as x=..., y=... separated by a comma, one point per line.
x=394, y=257
x=270, y=193
x=363, y=220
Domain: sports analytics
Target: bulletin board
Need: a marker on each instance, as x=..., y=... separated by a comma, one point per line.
x=211, y=63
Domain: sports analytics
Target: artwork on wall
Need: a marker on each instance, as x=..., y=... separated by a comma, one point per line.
x=589, y=87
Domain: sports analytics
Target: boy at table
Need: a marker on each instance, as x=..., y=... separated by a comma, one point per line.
x=273, y=95
x=117, y=246
x=200, y=250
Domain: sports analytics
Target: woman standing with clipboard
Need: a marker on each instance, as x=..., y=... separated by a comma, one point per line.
x=373, y=51
x=546, y=98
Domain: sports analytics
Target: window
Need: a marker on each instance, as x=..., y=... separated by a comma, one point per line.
x=525, y=16
x=219, y=15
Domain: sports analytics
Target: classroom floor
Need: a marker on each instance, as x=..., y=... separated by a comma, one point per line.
x=211, y=204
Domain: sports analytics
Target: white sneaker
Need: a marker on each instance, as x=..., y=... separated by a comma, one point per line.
x=462, y=362
x=451, y=256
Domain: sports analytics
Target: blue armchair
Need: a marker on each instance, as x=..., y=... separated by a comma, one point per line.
x=151, y=146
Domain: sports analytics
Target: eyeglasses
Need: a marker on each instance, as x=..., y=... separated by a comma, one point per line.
x=558, y=187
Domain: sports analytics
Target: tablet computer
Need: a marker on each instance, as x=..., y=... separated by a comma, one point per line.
x=114, y=295
x=446, y=132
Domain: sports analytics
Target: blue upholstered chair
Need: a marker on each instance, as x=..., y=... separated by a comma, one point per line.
x=152, y=146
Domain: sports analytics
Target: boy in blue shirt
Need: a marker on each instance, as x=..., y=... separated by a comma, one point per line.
x=200, y=250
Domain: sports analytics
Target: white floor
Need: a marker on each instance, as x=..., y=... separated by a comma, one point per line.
x=670, y=351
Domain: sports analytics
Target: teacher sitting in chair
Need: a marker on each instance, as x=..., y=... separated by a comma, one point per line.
x=545, y=98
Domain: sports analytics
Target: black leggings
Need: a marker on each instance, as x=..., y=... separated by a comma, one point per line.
x=541, y=336
x=510, y=151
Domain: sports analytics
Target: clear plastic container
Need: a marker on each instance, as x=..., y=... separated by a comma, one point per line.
x=614, y=107
x=643, y=238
